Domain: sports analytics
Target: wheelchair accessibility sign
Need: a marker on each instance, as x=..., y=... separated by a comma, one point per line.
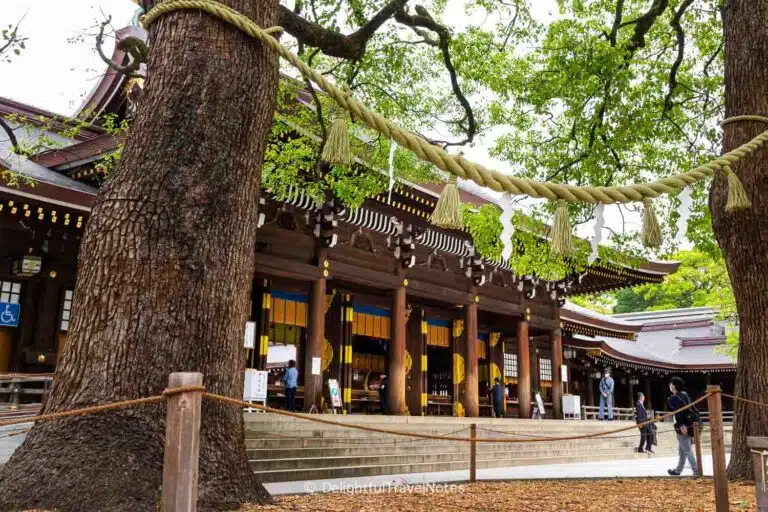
x=9, y=314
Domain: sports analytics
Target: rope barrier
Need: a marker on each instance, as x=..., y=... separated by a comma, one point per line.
x=244, y=404
x=746, y=400
x=546, y=438
x=458, y=165
x=366, y=443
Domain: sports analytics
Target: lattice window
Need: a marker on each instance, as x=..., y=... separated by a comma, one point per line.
x=10, y=292
x=545, y=369
x=66, y=311
x=510, y=365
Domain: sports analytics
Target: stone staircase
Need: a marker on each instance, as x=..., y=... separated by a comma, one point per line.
x=287, y=449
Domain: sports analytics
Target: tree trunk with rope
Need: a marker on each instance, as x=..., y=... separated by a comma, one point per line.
x=165, y=273
x=743, y=236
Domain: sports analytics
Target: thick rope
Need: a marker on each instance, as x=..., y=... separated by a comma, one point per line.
x=242, y=403
x=745, y=400
x=458, y=165
x=103, y=407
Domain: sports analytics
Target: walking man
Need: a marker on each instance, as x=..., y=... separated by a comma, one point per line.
x=290, y=379
x=646, y=431
x=684, y=421
x=606, y=395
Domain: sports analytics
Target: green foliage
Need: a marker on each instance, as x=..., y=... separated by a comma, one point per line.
x=485, y=227
x=700, y=281
x=11, y=42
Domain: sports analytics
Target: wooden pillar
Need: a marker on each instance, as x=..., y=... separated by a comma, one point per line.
x=416, y=389
x=556, y=344
x=590, y=388
x=524, y=370
x=458, y=364
x=715, y=407
x=181, y=456
x=396, y=355
x=648, y=403
x=313, y=383
x=47, y=315
x=334, y=325
x=346, y=348
x=471, y=391
x=259, y=359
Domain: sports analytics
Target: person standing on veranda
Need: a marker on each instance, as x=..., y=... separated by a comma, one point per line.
x=291, y=380
x=497, y=396
x=606, y=395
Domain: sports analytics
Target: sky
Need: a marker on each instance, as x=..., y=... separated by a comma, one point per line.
x=60, y=66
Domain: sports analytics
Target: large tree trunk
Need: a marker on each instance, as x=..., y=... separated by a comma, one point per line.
x=743, y=236
x=165, y=272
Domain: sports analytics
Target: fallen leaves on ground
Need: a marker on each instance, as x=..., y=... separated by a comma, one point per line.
x=667, y=494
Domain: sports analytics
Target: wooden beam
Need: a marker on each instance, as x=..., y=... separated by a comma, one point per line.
x=274, y=266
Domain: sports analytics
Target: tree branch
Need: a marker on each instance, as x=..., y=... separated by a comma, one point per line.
x=135, y=59
x=333, y=43
x=9, y=131
x=424, y=20
x=680, y=53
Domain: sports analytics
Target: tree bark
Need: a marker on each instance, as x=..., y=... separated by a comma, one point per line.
x=743, y=236
x=165, y=272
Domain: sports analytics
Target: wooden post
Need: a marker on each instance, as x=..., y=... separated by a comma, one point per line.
x=718, y=448
x=416, y=388
x=471, y=390
x=556, y=344
x=260, y=361
x=523, y=370
x=346, y=352
x=313, y=384
x=473, y=453
x=648, y=402
x=759, y=446
x=396, y=355
x=697, y=440
x=182, y=445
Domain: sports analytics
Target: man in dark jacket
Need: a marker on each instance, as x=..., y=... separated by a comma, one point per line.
x=646, y=431
x=383, y=394
x=684, y=421
x=497, y=394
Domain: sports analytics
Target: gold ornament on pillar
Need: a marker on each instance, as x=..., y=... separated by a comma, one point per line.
x=495, y=372
x=494, y=338
x=327, y=354
x=408, y=362
x=329, y=299
x=458, y=327
x=408, y=312
x=458, y=368
x=458, y=410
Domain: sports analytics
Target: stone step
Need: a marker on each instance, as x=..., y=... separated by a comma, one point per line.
x=282, y=475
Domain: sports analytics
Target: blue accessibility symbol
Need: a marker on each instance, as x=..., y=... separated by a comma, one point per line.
x=9, y=314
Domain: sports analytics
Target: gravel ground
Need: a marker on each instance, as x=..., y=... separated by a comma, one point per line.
x=667, y=494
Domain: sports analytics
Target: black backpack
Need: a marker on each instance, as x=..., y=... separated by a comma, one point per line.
x=690, y=415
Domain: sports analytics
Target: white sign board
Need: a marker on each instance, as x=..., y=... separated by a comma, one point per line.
x=250, y=334
x=333, y=390
x=540, y=404
x=255, y=386
x=564, y=372
x=316, y=364
x=571, y=407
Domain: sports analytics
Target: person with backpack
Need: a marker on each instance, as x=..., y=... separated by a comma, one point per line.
x=684, y=421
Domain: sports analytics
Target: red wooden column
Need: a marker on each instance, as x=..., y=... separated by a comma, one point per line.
x=471, y=400
x=260, y=362
x=524, y=369
x=556, y=344
x=416, y=379
x=396, y=355
x=346, y=353
x=313, y=383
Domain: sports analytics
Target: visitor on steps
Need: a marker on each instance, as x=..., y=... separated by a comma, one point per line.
x=383, y=394
x=646, y=431
x=497, y=393
x=606, y=395
x=684, y=421
x=290, y=379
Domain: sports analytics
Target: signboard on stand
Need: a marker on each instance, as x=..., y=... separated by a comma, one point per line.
x=250, y=335
x=333, y=391
x=538, y=410
x=255, y=387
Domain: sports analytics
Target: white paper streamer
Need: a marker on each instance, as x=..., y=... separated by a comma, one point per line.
x=598, y=235
x=392, y=149
x=684, y=212
x=507, y=212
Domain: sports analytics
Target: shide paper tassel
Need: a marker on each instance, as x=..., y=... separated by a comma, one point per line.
x=562, y=243
x=337, y=150
x=683, y=214
x=447, y=213
x=737, y=196
x=597, y=237
x=651, y=228
x=508, y=231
